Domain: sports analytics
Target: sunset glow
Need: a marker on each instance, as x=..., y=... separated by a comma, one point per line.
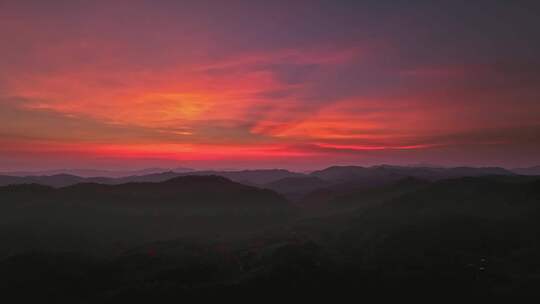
x=257, y=84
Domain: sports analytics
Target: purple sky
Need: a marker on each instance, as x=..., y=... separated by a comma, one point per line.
x=243, y=84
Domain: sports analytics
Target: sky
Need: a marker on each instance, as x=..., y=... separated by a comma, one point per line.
x=268, y=84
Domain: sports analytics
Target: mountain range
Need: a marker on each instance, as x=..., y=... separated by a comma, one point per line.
x=383, y=231
x=100, y=215
x=272, y=177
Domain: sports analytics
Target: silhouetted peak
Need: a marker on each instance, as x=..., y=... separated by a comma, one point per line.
x=262, y=171
x=535, y=170
x=485, y=170
x=199, y=179
x=334, y=168
x=297, y=180
x=85, y=187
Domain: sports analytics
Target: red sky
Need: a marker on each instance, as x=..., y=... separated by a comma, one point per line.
x=244, y=84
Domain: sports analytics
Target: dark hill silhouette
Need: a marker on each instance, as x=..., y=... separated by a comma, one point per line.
x=181, y=192
x=250, y=177
x=528, y=171
x=181, y=238
x=385, y=173
x=341, y=180
x=324, y=200
x=467, y=236
x=359, y=197
x=59, y=180
x=352, y=175
x=135, y=212
x=404, y=202
x=296, y=187
x=95, y=172
x=473, y=216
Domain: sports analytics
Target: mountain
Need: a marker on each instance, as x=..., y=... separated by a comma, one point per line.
x=411, y=202
x=59, y=180
x=469, y=236
x=209, y=237
x=185, y=192
x=296, y=187
x=527, y=171
x=64, y=180
x=80, y=215
x=366, y=176
x=320, y=192
x=95, y=173
x=385, y=173
x=471, y=217
x=250, y=177
x=359, y=197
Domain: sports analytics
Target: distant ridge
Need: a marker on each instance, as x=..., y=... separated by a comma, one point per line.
x=198, y=190
x=274, y=178
x=528, y=171
x=387, y=172
x=87, y=216
x=95, y=172
x=251, y=177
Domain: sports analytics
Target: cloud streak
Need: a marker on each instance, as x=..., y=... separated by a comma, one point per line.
x=324, y=81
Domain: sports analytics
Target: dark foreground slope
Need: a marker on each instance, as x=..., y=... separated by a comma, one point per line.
x=475, y=236
x=464, y=239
